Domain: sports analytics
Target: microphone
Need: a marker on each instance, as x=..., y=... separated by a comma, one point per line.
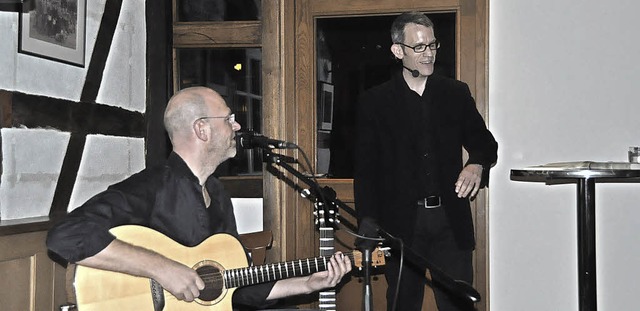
x=414, y=72
x=250, y=140
x=369, y=229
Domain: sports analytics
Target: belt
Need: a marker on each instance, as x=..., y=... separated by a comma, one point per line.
x=430, y=202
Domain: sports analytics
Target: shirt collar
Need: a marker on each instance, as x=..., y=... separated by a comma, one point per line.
x=179, y=166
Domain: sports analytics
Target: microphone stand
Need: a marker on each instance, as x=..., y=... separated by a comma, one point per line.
x=367, y=293
x=366, y=245
x=328, y=195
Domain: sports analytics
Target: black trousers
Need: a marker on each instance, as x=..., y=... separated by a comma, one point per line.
x=434, y=241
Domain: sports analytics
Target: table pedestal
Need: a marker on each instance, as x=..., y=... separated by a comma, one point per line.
x=585, y=174
x=587, y=244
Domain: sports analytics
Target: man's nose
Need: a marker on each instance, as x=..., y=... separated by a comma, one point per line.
x=236, y=126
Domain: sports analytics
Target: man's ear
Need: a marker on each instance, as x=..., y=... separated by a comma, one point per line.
x=200, y=130
x=397, y=51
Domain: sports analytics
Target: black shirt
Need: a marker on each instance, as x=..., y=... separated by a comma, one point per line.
x=167, y=198
x=418, y=113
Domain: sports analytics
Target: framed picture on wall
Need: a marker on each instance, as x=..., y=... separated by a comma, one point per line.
x=53, y=29
x=325, y=106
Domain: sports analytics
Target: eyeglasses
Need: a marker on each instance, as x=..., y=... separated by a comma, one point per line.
x=420, y=48
x=230, y=118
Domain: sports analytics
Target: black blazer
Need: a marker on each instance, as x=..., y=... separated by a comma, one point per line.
x=385, y=154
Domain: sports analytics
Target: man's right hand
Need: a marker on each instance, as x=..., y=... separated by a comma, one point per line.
x=181, y=281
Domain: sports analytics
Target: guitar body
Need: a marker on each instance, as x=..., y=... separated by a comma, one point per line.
x=106, y=290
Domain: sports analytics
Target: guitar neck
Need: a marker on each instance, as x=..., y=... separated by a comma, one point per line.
x=277, y=271
x=327, y=298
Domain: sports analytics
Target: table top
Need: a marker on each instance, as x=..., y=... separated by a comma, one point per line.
x=579, y=169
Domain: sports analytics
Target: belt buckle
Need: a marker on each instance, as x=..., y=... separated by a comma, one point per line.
x=427, y=199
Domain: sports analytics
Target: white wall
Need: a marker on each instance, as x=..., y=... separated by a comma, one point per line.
x=563, y=83
x=32, y=158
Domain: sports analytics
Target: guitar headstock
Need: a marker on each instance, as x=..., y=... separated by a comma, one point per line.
x=377, y=257
x=326, y=215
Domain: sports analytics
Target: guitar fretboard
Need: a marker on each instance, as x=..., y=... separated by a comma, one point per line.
x=277, y=271
x=327, y=300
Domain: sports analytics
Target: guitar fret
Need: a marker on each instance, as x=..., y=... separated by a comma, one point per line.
x=255, y=277
x=234, y=274
x=265, y=273
x=308, y=266
x=236, y=280
x=328, y=306
x=240, y=277
x=248, y=276
x=300, y=265
x=269, y=271
x=262, y=273
x=258, y=272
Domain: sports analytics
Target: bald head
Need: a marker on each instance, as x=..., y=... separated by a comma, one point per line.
x=185, y=107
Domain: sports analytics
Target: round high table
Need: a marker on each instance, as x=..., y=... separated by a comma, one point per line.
x=585, y=174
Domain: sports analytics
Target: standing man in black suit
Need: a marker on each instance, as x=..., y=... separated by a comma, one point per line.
x=409, y=175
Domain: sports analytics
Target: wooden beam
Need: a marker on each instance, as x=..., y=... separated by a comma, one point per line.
x=33, y=111
x=158, y=18
x=101, y=50
x=68, y=175
x=217, y=34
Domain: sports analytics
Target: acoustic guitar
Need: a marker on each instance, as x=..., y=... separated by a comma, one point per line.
x=220, y=261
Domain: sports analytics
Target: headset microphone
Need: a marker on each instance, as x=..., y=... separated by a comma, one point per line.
x=414, y=72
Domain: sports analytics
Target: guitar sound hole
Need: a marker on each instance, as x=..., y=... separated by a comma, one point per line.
x=214, y=290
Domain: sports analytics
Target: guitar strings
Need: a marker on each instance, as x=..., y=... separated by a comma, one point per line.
x=270, y=269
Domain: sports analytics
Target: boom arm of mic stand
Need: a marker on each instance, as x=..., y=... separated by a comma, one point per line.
x=317, y=192
x=457, y=287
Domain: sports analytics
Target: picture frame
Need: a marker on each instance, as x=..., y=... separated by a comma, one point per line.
x=325, y=106
x=53, y=29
